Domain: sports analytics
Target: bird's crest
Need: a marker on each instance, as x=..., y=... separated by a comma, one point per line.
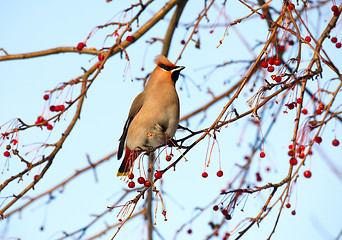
x=163, y=60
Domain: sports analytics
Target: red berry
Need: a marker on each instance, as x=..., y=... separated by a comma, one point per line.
x=224, y=212
x=335, y=142
x=100, y=57
x=49, y=127
x=293, y=212
x=141, y=180
x=219, y=173
x=158, y=175
x=215, y=208
x=147, y=183
x=46, y=97
x=291, y=6
x=264, y=64
x=204, y=174
x=277, y=62
x=211, y=31
x=99, y=66
x=61, y=108
x=304, y=111
x=271, y=60
x=299, y=100
x=262, y=154
x=308, y=38
x=301, y=155
x=334, y=39
x=40, y=119
x=80, y=46
x=57, y=108
x=270, y=69
x=291, y=42
x=293, y=161
x=281, y=48
x=307, y=174
x=7, y=154
x=318, y=112
x=14, y=141
x=336, y=13
x=291, y=153
x=277, y=79
x=35, y=177
x=168, y=158
x=129, y=38
x=338, y=45
x=290, y=106
x=334, y=8
x=189, y=231
x=301, y=148
x=131, y=176
x=318, y=139
x=182, y=42
x=288, y=205
x=321, y=106
x=259, y=179
x=131, y=184
x=52, y=108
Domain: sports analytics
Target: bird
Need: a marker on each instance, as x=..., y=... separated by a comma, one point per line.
x=153, y=117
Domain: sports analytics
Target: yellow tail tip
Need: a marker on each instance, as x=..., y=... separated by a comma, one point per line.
x=123, y=174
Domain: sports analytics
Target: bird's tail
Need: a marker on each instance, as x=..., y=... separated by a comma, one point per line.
x=127, y=162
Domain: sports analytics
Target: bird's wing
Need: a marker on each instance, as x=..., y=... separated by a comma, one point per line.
x=135, y=108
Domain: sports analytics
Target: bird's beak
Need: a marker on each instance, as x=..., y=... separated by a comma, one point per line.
x=178, y=69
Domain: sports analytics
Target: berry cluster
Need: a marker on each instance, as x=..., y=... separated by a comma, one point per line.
x=140, y=180
x=258, y=177
x=337, y=13
x=40, y=120
x=13, y=142
x=335, y=10
x=219, y=174
x=337, y=44
x=269, y=64
x=58, y=108
x=299, y=152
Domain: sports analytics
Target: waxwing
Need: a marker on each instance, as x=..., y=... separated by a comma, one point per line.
x=154, y=115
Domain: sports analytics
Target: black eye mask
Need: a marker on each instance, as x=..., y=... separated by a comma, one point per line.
x=166, y=68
